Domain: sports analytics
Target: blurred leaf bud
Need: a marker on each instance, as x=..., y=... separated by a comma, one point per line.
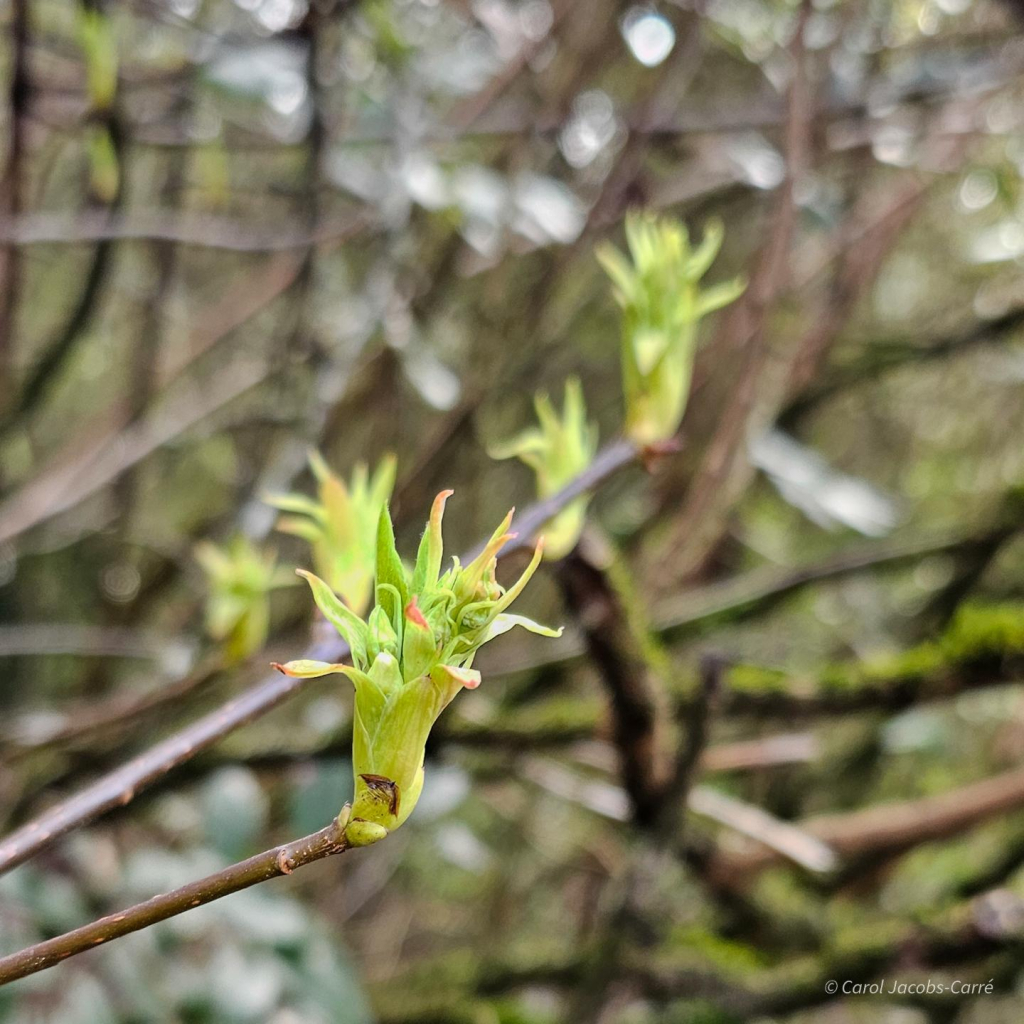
x=558, y=450
x=662, y=302
x=341, y=525
x=240, y=578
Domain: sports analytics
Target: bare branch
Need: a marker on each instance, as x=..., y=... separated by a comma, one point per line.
x=894, y=827
x=281, y=860
x=160, y=226
x=641, y=722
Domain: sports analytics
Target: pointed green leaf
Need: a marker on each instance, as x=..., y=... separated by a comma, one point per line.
x=305, y=668
x=517, y=588
x=299, y=503
x=431, y=550
x=704, y=255
x=419, y=648
x=720, y=295
x=650, y=346
x=390, y=571
x=504, y=622
x=343, y=619
x=300, y=528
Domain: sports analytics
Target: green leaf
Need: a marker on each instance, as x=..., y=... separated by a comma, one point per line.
x=704, y=255
x=390, y=571
x=300, y=503
x=504, y=622
x=300, y=528
x=618, y=268
x=649, y=347
x=720, y=295
x=517, y=588
x=343, y=619
x=419, y=648
x=473, y=573
x=306, y=668
x=380, y=635
x=431, y=549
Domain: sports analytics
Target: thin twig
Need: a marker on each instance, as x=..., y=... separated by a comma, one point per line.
x=11, y=186
x=893, y=827
x=783, y=839
x=161, y=226
x=46, y=497
x=281, y=860
x=743, y=332
x=751, y=593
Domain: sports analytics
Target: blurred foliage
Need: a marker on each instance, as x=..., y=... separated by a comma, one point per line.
x=558, y=450
x=240, y=580
x=342, y=525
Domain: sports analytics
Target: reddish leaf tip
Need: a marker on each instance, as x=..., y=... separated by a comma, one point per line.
x=413, y=614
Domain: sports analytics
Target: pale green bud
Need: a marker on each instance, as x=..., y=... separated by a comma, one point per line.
x=558, y=450
x=662, y=303
x=341, y=525
x=240, y=579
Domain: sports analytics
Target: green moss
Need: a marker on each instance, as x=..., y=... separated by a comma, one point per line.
x=986, y=629
x=705, y=947
x=978, y=635
x=755, y=679
x=558, y=717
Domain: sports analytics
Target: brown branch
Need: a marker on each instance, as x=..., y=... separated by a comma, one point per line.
x=118, y=711
x=57, y=352
x=785, y=840
x=11, y=185
x=639, y=710
x=887, y=357
x=281, y=860
x=120, y=786
x=757, y=591
x=694, y=720
x=29, y=505
x=466, y=114
x=48, y=496
x=893, y=827
x=160, y=226
x=260, y=868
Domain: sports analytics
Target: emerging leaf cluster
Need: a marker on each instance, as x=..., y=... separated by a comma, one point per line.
x=240, y=579
x=341, y=524
x=410, y=657
x=558, y=450
x=662, y=302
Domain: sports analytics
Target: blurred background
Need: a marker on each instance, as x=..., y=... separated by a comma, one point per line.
x=233, y=230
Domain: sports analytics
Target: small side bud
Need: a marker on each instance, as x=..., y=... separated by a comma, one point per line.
x=364, y=833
